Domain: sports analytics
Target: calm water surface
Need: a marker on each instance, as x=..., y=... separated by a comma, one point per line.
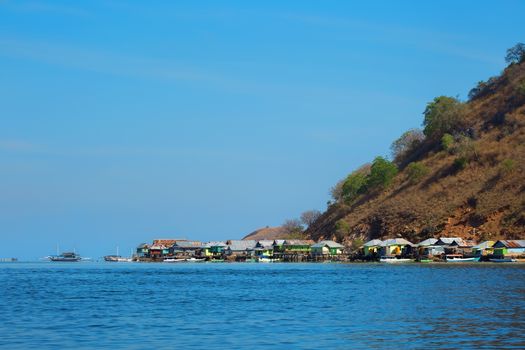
x=261, y=306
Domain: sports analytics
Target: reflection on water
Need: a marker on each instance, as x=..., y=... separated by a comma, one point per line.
x=261, y=306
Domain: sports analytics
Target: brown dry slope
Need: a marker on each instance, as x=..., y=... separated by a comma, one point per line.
x=484, y=200
x=267, y=233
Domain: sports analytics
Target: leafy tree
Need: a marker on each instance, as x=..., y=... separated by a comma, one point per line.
x=354, y=185
x=309, y=217
x=342, y=229
x=357, y=243
x=292, y=226
x=460, y=163
x=406, y=143
x=382, y=172
x=447, y=141
x=516, y=54
x=416, y=171
x=443, y=115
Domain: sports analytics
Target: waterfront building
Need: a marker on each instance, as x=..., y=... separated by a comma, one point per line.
x=509, y=247
x=142, y=250
x=372, y=247
x=329, y=248
x=264, y=248
x=396, y=246
x=484, y=248
x=293, y=246
x=240, y=247
x=278, y=245
x=192, y=248
x=213, y=249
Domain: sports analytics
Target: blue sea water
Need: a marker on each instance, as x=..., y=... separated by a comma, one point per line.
x=261, y=306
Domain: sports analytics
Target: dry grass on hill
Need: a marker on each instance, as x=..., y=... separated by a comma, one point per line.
x=484, y=200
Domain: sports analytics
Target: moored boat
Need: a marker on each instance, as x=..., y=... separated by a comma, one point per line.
x=195, y=260
x=65, y=257
x=503, y=260
x=459, y=258
x=393, y=260
x=174, y=260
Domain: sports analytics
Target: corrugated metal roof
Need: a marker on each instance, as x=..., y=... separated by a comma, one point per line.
x=374, y=243
x=188, y=244
x=514, y=243
x=329, y=244
x=396, y=241
x=427, y=242
x=238, y=245
x=450, y=240
x=484, y=245
x=215, y=244
x=298, y=242
x=265, y=243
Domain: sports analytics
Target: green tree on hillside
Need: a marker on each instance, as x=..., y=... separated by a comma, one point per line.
x=416, y=171
x=516, y=54
x=443, y=115
x=382, y=172
x=354, y=185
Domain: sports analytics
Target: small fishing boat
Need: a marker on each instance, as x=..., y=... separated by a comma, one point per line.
x=425, y=260
x=173, y=260
x=217, y=260
x=195, y=260
x=459, y=258
x=116, y=258
x=65, y=257
x=503, y=260
x=393, y=260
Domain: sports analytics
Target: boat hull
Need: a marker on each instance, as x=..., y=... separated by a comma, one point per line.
x=504, y=260
x=394, y=261
x=462, y=260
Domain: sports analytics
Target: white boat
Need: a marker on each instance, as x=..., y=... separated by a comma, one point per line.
x=173, y=260
x=459, y=258
x=266, y=260
x=195, y=260
x=393, y=260
x=116, y=258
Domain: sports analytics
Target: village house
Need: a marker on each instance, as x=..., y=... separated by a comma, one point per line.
x=329, y=248
x=429, y=248
x=213, y=249
x=142, y=251
x=297, y=246
x=186, y=248
x=240, y=247
x=372, y=248
x=484, y=248
x=264, y=248
x=396, y=246
x=278, y=245
x=509, y=248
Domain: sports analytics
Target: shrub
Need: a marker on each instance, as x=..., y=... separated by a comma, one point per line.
x=521, y=88
x=342, y=229
x=416, y=171
x=516, y=54
x=382, y=172
x=465, y=148
x=507, y=166
x=460, y=163
x=406, y=143
x=447, y=141
x=443, y=115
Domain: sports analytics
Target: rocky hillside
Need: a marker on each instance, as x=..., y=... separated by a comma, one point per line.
x=477, y=196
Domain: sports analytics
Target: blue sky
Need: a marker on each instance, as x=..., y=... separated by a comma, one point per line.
x=126, y=121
